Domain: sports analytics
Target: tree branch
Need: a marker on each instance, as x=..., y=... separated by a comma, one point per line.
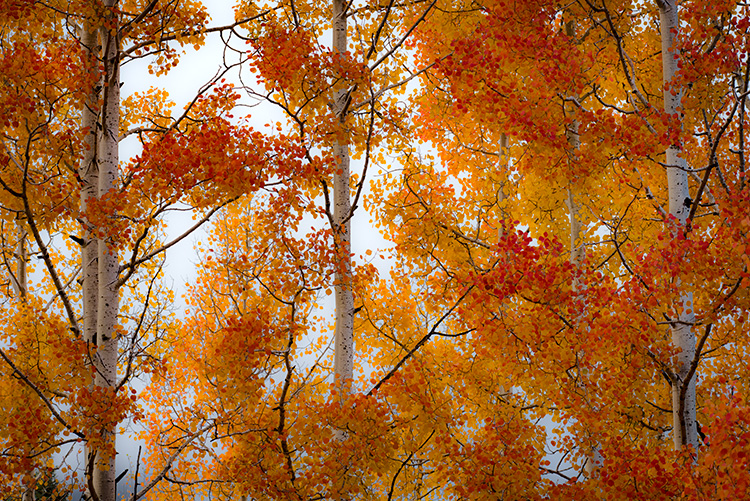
x=158, y=478
x=134, y=262
x=421, y=342
x=41, y=395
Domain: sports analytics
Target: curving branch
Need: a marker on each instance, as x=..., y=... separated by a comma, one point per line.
x=160, y=476
x=41, y=394
x=135, y=261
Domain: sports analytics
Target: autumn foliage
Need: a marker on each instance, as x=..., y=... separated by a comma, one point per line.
x=519, y=334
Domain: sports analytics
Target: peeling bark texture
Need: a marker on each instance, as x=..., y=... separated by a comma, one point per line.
x=344, y=334
x=685, y=431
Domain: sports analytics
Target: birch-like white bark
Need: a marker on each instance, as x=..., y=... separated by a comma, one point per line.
x=577, y=249
x=344, y=332
x=88, y=173
x=105, y=359
x=685, y=430
x=30, y=493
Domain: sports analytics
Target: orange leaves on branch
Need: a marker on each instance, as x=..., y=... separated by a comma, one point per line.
x=290, y=59
x=16, y=9
x=213, y=159
x=40, y=348
x=723, y=469
x=501, y=459
x=487, y=328
x=101, y=408
x=305, y=77
x=183, y=22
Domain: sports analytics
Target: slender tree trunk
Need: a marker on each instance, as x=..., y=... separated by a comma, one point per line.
x=30, y=493
x=343, y=367
x=88, y=173
x=105, y=359
x=683, y=337
x=344, y=334
x=577, y=247
x=19, y=278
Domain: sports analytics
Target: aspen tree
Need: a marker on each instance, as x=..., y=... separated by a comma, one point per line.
x=344, y=334
x=684, y=427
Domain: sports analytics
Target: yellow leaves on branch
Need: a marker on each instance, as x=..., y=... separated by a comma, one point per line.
x=529, y=117
x=149, y=110
x=42, y=352
x=183, y=22
x=102, y=408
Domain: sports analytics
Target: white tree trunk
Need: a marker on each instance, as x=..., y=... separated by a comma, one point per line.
x=577, y=249
x=105, y=360
x=683, y=336
x=344, y=334
x=30, y=493
x=88, y=173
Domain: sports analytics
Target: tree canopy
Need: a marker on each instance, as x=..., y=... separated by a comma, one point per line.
x=560, y=310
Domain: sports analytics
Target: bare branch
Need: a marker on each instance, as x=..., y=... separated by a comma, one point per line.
x=135, y=261
x=168, y=465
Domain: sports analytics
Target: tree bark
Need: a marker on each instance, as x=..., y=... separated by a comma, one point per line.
x=344, y=333
x=685, y=430
x=343, y=367
x=105, y=359
x=88, y=173
x=19, y=278
x=578, y=250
